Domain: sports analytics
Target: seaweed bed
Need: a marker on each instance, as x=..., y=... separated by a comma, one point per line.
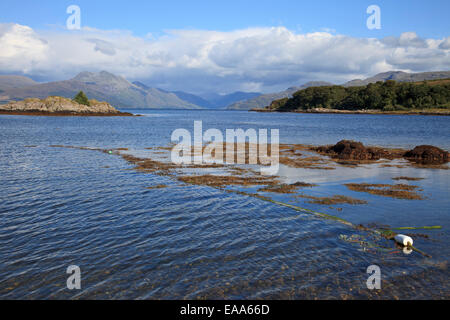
x=407, y=178
x=291, y=155
x=159, y=186
x=398, y=191
x=285, y=188
x=237, y=175
x=336, y=199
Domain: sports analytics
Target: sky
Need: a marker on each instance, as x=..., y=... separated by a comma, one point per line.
x=224, y=46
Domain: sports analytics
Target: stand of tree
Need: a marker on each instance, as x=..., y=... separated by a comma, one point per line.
x=383, y=96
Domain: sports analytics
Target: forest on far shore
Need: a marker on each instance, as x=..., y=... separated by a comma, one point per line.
x=384, y=96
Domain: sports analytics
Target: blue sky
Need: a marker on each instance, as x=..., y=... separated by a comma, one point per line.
x=427, y=18
x=224, y=46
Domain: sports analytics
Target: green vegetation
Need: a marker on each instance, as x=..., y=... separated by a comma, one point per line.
x=382, y=96
x=81, y=98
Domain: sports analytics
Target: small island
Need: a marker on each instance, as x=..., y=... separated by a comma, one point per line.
x=80, y=105
x=390, y=97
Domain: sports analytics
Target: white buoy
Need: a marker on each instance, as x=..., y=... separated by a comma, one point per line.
x=404, y=240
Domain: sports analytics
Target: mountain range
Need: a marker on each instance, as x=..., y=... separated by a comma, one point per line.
x=118, y=91
x=121, y=93
x=102, y=86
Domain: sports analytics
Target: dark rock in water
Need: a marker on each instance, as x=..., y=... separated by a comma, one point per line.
x=353, y=150
x=427, y=154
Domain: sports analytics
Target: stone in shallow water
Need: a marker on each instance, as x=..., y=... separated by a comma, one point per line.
x=427, y=154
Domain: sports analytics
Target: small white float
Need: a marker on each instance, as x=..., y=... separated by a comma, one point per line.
x=404, y=240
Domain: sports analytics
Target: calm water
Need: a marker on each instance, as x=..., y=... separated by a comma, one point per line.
x=61, y=207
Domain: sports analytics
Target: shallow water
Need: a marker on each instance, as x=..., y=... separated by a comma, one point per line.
x=67, y=206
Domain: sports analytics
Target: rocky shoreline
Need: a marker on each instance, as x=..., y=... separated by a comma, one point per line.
x=59, y=106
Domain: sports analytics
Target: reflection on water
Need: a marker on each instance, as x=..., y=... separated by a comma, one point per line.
x=67, y=206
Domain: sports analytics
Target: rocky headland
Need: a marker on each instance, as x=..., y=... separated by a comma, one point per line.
x=59, y=106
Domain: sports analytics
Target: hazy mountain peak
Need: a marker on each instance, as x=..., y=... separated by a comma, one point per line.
x=13, y=81
x=100, y=78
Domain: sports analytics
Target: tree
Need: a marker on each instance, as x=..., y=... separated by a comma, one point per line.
x=81, y=98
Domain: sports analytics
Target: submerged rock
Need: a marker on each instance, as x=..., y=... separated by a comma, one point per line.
x=427, y=154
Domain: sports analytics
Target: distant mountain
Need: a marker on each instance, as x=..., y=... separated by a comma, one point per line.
x=10, y=82
x=214, y=100
x=102, y=86
x=141, y=85
x=208, y=100
x=222, y=101
x=400, y=77
x=264, y=100
x=192, y=98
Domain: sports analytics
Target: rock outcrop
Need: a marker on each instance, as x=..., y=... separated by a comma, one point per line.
x=353, y=150
x=59, y=106
x=427, y=154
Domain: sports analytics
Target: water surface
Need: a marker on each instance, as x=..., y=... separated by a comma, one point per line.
x=67, y=206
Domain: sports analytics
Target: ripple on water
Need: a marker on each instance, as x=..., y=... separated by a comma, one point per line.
x=63, y=206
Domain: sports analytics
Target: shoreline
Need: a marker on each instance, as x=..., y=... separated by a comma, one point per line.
x=368, y=112
x=66, y=114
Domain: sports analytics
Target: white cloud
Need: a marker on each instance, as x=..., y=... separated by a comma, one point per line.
x=21, y=48
x=103, y=46
x=406, y=39
x=445, y=44
x=198, y=60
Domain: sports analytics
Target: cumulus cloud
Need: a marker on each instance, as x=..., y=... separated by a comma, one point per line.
x=104, y=47
x=445, y=45
x=21, y=48
x=406, y=39
x=257, y=59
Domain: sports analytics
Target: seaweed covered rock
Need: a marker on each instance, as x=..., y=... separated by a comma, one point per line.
x=427, y=154
x=353, y=150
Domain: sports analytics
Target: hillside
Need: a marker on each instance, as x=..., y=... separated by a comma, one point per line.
x=223, y=101
x=266, y=99
x=194, y=99
x=263, y=100
x=10, y=82
x=385, y=96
